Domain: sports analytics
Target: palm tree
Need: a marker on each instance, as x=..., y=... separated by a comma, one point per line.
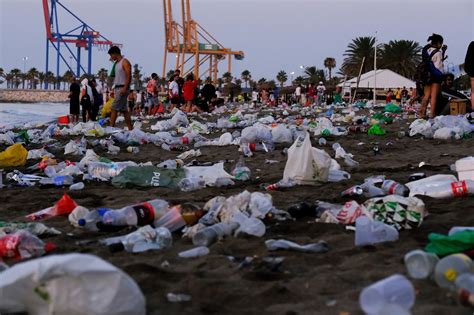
x=50, y=78
x=314, y=75
x=246, y=76
x=282, y=77
x=67, y=77
x=23, y=79
x=9, y=78
x=401, y=56
x=16, y=78
x=41, y=79
x=31, y=76
x=330, y=63
x=298, y=80
x=356, y=51
x=227, y=77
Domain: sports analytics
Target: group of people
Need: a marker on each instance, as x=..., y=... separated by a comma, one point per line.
x=436, y=85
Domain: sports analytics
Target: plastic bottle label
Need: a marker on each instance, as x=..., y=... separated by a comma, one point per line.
x=450, y=274
x=391, y=189
x=145, y=214
x=459, y=188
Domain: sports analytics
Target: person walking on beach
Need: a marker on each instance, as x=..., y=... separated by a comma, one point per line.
x=98, y=100
x=188, y=92
x=74, y=96
x=321, y=90
x=122, y=74
x=433, y=56
x=87, y=99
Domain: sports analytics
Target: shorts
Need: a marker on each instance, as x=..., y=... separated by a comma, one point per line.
x=74, y=108
x=120, y=103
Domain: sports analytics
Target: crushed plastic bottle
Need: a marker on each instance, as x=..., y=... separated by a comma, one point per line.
x=391, y=187
x=144, y=239
x=369, y=232
x=58, y=180
x=191, y=184
x=211, y=234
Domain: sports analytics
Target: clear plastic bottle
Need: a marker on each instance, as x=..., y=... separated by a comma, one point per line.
x=420, y=264
x=191, y=184
x=450, y=267
x=449, y=190
x=58, y=180
x=395, y=289
x=391, y=187
x=211, y=234
x=143, y=239
x=90, y=220
x=466, y=282
x=137, y=215
x=195, y=252
x=371, y=190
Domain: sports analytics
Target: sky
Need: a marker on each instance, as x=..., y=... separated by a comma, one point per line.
x=274, y=34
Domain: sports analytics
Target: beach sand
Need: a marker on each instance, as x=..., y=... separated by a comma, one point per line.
x=328, y=283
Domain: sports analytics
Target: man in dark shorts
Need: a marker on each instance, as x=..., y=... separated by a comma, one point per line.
x=122, y=74
x=74, y=94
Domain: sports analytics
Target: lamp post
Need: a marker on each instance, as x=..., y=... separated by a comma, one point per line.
x=292, y=73
x=25, y=59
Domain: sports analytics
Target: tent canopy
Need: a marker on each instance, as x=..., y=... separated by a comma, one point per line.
x=386, y=79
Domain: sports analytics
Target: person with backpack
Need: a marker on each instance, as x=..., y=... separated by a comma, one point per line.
x=469, y=68
x=430, y=73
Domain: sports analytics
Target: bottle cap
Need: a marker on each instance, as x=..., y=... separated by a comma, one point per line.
x=81, y=222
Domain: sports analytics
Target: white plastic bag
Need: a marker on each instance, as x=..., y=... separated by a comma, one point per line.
x=281, y=134
x=208, y=173
x=421, y=127
x=73, y=284
x=306, y=165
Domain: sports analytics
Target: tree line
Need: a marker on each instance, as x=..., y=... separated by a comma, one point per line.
x=400, y=56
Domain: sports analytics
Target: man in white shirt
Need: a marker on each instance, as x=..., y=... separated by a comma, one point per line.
x=173, y=92
x=298, y=93
x=321, y=90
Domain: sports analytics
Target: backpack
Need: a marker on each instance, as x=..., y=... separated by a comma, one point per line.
x=426, y=72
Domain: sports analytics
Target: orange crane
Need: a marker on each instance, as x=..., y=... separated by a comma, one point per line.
x=193, y=45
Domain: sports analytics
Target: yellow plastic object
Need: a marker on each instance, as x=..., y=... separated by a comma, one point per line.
x=14, y=155
x=107, y=108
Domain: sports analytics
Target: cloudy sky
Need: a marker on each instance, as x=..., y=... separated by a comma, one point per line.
x=274, y=34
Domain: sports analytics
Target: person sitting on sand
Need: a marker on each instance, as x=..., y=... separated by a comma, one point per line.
x=446, y=94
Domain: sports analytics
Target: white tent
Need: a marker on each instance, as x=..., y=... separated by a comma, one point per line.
x=386, y=79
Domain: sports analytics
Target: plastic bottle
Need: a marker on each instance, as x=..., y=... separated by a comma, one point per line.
x=105, y=171
x=338, y=175
x=195, y=252
x=136, y=215
x=23, y=245
x=370, y=232
x=449, y=190
x=391, y=187
x=191, y=184
x=371, y=190
x=456, y=229
x=240, y=171
x=322, y=141
x=450, y=267
x=77, y=186
x=420, y=264
x=224, y=181
x=58, y=180
x=395, y=289
x=178, y=216
x=143, y=239
x=465, y=282
x=90, y=220
x=211, y=234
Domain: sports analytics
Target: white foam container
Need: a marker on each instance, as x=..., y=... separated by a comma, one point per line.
x=465, y=168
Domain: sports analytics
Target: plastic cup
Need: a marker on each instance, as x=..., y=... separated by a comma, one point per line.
x=420, y=264
x=395, y=289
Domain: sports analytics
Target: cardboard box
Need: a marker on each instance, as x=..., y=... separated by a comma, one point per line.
x=465, y=168
x=458, y=106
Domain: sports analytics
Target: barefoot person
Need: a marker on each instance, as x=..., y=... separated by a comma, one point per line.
x=433, y=55
x=122, y=74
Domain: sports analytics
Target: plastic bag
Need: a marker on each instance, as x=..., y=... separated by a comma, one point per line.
x=306, y=165
x=443, y=245
x=107, y=108
x=209, y=174
x=446, y=133
x=69, y=284
x=392, y=108
x=146, y=176
x=281, y=134
x=376, y=130
x=422, y=127
x=14, y=155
